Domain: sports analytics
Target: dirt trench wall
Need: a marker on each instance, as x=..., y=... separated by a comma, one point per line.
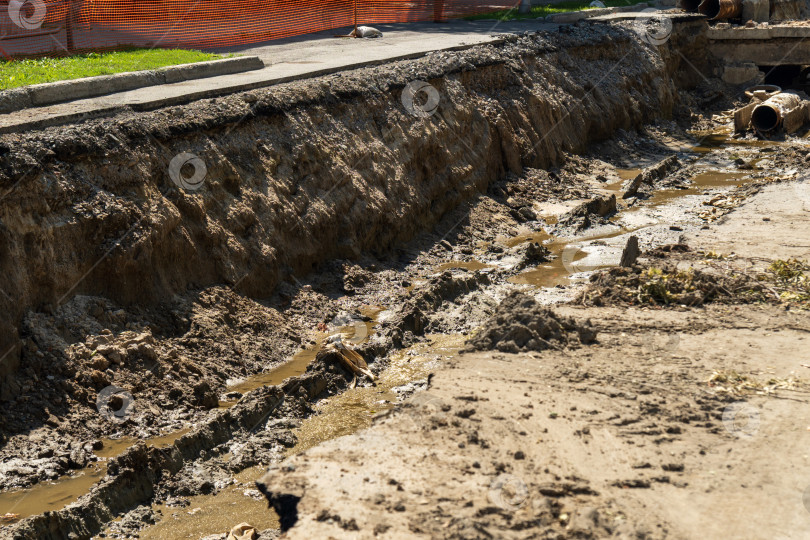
x=297, y=173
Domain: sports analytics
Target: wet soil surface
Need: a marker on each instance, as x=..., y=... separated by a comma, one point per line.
x=605, y=416
x=683, y=419
x=684, y=416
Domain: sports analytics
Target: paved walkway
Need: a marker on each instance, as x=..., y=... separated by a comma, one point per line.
x=285, y=60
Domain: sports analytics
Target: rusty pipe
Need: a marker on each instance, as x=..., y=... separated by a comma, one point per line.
x=721, y=9
x=689, y=6
x=768, y=115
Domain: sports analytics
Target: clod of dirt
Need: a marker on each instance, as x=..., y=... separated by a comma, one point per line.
x=354, y=278
x=649, y=175
x=528, y=254
x=521, y=209
x=414, y=318
x=522, y=324
x=582, y=216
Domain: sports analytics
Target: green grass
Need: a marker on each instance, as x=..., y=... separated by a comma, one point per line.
x=551, y=9
x=49, y=69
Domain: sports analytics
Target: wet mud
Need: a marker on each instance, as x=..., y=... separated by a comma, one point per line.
x=221, y=356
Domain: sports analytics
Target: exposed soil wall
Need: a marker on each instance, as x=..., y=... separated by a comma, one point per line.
x=296, y=174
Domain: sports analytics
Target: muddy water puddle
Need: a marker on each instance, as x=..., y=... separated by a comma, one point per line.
x=470, y=266
x=292, y=368
x=355, y=409
x=51, y=496
x=587, y=253
x=628, y=174
x=211, y=514
x=55, y=495
x=711, y=179
x=115, y=447
x=571, y=256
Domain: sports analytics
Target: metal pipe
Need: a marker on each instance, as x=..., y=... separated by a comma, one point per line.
x=689, y=6
x=721, y=9
x=768, y=115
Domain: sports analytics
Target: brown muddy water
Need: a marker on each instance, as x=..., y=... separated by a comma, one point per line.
x=49, y=496
x=55, y=495
x=211, y=514
x=569, y=253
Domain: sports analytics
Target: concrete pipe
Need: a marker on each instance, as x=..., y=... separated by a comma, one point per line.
x=768, y=115
x=721, y=9
x=689, y=6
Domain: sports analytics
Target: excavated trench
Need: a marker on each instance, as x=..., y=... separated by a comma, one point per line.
x=191, y=302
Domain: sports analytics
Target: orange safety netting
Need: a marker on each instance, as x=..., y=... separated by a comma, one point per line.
x=30, y=27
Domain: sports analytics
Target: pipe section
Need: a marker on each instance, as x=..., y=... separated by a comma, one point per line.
x=717, y=10
x=769, y=114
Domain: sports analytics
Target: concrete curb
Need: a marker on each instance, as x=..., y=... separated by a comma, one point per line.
x=38, y=95
x=574, y=16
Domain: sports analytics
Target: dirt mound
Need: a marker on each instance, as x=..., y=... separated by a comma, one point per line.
x=414, y=319
x=521, y=324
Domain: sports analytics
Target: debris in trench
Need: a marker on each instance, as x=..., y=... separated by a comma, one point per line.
x=791, y=282
x=9, y=518
x=651, y=285
x=664, y=283
x=733, y=383
x=537, y=252
x=243, y=531
x=521, y=209
x=348, y=357
x=520, y=323
x=772, y=110
x=649, y=175
x=531, y=254
x=354, y=278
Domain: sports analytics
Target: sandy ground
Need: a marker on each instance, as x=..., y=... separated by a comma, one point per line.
x=623, y=438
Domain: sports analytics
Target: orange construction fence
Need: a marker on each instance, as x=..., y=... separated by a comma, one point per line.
x=30, y=27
